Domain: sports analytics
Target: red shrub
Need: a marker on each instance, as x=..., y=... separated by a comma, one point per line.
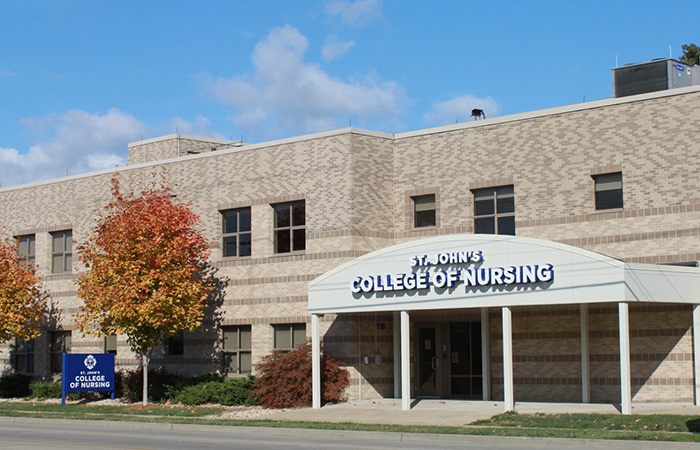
x=284, y=380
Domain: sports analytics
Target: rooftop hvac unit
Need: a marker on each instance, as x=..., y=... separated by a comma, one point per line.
x=656, y=75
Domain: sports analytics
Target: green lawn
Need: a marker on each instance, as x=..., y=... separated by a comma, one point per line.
x=665, y=427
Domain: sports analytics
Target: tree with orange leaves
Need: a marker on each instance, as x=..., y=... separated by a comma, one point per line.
x=144, y=278
x=22, y=307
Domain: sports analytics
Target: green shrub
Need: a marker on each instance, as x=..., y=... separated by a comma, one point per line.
x=229, y=392
x=162, y=385
x=14, y=386
x=284, y=380
x=46, y=390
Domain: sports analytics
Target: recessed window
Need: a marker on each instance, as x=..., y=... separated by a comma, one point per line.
x=27, y=249
x=608, y=191
x=60, y=344
x=237, y=344
x=111, y=344
x=424, y=211
x=290, y=226
x=288, y=336
x=236, y=232
x=24, y=356
x=175, y=344
x=61, y=251
x=494, y=210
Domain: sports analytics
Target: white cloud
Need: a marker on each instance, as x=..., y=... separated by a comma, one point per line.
x=287, y=94
x=201, y=126
x=458, y=109
x=359, y=12
x=333, y=48
x=70, y=143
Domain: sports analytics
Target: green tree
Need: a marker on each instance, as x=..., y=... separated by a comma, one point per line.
x=691, y=55
x=144, y=277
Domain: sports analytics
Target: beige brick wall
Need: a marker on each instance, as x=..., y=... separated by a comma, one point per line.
x=355, y=206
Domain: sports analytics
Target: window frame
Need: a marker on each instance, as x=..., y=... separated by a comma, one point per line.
x=604, y=182
x=419, y=206
x=292, y=228
x=26, y=349
x=175, y=345
x=291, y=328
x=56, y=352
x=111, y=344
x=238, y=351
x=65, y=253
x=238, y=233
x=495, y=195
x=28, y=258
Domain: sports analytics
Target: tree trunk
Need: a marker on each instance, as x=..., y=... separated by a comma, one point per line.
x=144, y=369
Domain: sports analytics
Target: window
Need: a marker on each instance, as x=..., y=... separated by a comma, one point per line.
x=60, y=344
x=423, y=211
x=24, y=356
x=111, y=344
x=62, y=251
x=237, y=357
x=608, y=191
x=290, y=227
x=289, y=335
x=494, y=211
x=27, y=249
x=175, y=344
x=236, y=231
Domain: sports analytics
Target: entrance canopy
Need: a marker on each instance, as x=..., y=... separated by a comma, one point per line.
x=477, y=270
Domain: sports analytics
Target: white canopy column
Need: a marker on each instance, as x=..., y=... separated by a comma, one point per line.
x=508, y=397
x=696, y=351
x=585, y=357
x=397, y=354
x=315, y=361
x=625, y=367
x=405, y=362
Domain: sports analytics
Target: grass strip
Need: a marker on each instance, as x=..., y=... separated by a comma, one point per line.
x=582, y=426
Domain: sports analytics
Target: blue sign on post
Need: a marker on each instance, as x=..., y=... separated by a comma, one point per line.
x=84, y=372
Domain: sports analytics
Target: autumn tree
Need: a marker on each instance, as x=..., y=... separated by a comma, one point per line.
x=144, y=277
x=22, y=307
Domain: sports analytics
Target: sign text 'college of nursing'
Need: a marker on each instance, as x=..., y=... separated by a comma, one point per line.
x=469, y=272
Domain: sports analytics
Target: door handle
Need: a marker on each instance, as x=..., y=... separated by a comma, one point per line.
x=435, y=363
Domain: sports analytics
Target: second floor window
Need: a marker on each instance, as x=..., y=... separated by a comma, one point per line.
x=236, y=232
x=27, y=249
x=494, y=210
x=608, y=191
x=424, y=211
x=61, y=251
x=290, y=226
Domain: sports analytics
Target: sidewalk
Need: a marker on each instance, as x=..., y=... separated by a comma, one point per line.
x=457, y=412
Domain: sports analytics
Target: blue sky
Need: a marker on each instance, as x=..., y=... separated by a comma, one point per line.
x=81, y=79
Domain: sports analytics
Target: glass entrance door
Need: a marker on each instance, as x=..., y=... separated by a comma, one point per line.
x=465, y=360
x=428, y=362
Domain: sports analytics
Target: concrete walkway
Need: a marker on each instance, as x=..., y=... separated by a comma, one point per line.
x=458, y=412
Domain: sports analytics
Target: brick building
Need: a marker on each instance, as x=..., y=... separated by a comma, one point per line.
x=615, y=177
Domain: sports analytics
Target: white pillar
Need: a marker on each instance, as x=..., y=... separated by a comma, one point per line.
x=508, y=397
x=315, y=361
x=485, y=354
x=625, y=370
x=585, y=357
x=696, y=351
x=397, y=354
x=405, y=362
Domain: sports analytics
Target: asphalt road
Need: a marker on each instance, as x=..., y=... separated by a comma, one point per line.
x=24, y=433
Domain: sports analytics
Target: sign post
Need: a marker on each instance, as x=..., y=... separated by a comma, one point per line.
x=83, y=372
